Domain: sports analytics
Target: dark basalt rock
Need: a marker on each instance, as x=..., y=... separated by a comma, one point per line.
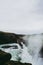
x=16, y=63
x=6, y=38
x=14, y=47
x=8, y=46
x=4, y=57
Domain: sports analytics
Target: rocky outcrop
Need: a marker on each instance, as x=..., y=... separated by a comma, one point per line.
x=6, y=38
x=16, y=63
x=5, y=59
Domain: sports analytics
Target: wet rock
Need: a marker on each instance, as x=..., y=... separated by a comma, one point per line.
x=4, y=57
x=16, y=63
x=8, y=46
x=15, y=47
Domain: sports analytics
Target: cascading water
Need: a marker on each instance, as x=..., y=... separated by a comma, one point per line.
x=26, y=57
x=30, y=53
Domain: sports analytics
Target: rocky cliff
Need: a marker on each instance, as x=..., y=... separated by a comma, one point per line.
x=6, y=38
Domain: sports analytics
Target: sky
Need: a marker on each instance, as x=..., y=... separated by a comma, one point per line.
x=21, y=16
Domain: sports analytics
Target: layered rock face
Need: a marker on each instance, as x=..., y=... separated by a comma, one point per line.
x=5, y=59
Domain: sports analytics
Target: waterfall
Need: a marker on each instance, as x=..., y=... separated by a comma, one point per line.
x=30, y=53
x=25, y=56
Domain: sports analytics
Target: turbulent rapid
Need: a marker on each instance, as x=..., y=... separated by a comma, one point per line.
x=32, y=53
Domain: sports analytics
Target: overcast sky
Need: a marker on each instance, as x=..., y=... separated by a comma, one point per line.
x=21, y=16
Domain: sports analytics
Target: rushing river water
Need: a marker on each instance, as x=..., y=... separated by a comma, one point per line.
x=22, y=55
